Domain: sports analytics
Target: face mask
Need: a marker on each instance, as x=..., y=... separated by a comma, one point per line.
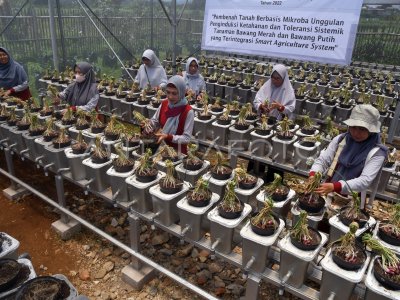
x=80, y=78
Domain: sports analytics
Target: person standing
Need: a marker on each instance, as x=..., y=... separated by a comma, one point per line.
x=151, y=71
x=13, y=77
x=193, y=79
x=175, y=116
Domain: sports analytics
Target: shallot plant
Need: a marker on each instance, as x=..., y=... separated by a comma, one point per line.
x=347, y=244
x=389, y=261
x=300, y=230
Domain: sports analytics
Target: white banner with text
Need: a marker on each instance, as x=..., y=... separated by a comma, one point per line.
x=312, y=30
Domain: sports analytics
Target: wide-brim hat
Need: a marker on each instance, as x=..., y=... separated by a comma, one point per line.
x=365, y=115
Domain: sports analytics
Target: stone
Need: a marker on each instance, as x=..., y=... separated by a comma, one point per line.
x=144, y=237
x=108, y=266
x=121, y=220
x=177, y=294
x=219, y=291
x=153, y=291
x=110, y=230
x=219, y=284
x=214, y=268
x=176, y=262
x=201, y=279
x=194, y=269
x=113, y=296
x=204, y=253
x=166, y=252
x=118, y=251
x=84, y=274
x=195, y=253
x=203, y=276
x=97, y=293
x=100, y=274
x=160, y=239
x=86, y=247
x=106, y=252
x=202, y=258
x=125, y=255
x=185, y=251
x=120, y=231
x=235, y=289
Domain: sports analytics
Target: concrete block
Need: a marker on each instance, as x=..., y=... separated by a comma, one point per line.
x=66, y=230
x=138, y=278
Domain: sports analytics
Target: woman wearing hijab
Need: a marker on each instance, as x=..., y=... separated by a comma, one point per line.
x=175, y=116
x=353, y=159
x=13, y=77
x=279, y=92
x=151, y=71
x=83, y=92
x=193, y=79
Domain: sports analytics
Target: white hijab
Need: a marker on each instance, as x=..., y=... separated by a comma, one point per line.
x=284, y=94
x=194, y=81
x=155, y=71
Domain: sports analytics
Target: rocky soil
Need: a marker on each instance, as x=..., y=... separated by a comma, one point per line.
x=93, y=265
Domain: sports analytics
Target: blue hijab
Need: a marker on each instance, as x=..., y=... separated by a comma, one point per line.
x=354, y=154
x=11, y=73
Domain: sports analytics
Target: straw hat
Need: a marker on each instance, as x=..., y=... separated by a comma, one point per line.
x=365, y=115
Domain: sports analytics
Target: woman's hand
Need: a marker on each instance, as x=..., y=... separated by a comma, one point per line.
x=7, y=93
x=275, y=105
x=264, y=108
x=161, y=137
x=325, y=188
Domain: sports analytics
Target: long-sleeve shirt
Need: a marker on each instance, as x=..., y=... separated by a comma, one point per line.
x=197, y=84
x=358, y=184
x=21, y=87
x=288, y=103
x=187, y=130
x=156, y=75
x=91, y=103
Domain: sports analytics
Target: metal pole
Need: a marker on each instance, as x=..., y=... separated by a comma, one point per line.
x=134, y=237
x=53, y=35
x=174, y=37
x=13, y=18
x=113, y=240
x=104, y=38
x=62, y=38
x=152, y=25
x=109, y=31
x=61, y=196
x=10, y=166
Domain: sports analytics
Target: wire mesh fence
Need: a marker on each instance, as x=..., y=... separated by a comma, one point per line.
x=133, y=26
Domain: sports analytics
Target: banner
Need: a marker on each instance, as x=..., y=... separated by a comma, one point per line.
x=311, y=30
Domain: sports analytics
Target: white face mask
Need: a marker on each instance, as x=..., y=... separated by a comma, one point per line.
x=80, y=78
